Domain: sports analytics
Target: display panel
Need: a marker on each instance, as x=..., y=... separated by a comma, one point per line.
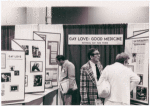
x=35, y=64
x=138, y=50
x=14, y=70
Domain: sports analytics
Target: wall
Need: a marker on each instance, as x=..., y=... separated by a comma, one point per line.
x=14, y=13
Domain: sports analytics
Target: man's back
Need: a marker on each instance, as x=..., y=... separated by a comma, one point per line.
x=119, y=78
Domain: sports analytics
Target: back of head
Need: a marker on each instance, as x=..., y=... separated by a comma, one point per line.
x=60, y=57
x=90, y=52
x=122, y=57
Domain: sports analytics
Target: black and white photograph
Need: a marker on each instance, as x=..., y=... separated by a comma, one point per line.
x=26, y=48
x=14, y=88
x=26, y=80
x=88, y=42
x=16, y=73
x=36, y=66
x=36, y=53
x=133, y=57
x=37, y=80
x=141, y=93
x=141, y=79
x=49, y=74
x=12, y=68
x=5, y=77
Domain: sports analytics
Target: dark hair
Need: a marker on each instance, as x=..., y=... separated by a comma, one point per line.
x=122, y=57
x=90, y=52
x=60, y=57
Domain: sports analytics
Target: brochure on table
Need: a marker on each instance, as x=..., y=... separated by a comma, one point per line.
x=35, y=63
x=12, y=69
x=52, y=42
x=138, y=49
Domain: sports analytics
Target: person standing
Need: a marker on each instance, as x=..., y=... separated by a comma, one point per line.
x=90, y=74
x=122, y=81
x=67, y=72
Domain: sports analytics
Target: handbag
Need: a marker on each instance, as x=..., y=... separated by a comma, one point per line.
x=104, y=89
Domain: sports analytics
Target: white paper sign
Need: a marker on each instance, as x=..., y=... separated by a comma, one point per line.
x=111, y=39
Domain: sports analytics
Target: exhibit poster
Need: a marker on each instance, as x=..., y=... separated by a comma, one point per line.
x=52, y=42
x=138, y=50
x=35, y=63
x=12, y=69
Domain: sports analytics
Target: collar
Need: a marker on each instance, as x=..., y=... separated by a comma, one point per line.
x=92, y=64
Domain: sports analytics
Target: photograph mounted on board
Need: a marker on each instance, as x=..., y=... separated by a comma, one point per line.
x=26, y=49
x=141, y=93
x=36, y=66
x=14, y=88
x=36, y=53
x=12, y=68
x=5, y=77
x=16, y=73
x=133, y=57
x=37, y=80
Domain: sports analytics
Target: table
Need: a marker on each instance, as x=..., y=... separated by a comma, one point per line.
x=31, y=97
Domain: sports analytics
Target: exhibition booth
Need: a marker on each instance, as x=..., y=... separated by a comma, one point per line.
x=30, y=74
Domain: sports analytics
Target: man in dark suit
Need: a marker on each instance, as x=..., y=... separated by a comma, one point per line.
x=67, y=72
x=90, y=74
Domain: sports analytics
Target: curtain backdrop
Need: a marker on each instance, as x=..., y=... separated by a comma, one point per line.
x=78, y=53
x=7, y=34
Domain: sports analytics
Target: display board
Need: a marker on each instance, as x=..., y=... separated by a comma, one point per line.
x=52, y=41
x=35, y=63
x=138, y=50
x=12, y=74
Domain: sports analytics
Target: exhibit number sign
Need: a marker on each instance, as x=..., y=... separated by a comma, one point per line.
x=108, y=39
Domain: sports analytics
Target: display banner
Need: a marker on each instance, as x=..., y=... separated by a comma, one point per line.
x=12, y=69
x=109, y=39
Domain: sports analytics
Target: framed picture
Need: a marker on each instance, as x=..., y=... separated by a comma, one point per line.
x=141, y=79
x=133, y=57
x=12, y=68
x=3, y=60
x=131, y=66
x=14, y=88
x=37, y=80
x=26, y=80
x=36, y=66
x=53, y=47
x=26, y=49
x=141, y=93
x=16, y=73
x=5, y=77
x=48, y=84
x=36, y=53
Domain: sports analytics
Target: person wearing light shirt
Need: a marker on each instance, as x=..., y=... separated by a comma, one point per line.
x=122, y=81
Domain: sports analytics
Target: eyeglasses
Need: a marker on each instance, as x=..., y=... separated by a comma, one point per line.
x=96, y=53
